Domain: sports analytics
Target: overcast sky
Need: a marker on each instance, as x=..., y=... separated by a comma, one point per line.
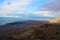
x=33, y=9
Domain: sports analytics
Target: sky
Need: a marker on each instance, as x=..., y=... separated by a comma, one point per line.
x=30, y=9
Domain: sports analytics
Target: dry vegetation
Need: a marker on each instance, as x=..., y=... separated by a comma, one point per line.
x=43, y=32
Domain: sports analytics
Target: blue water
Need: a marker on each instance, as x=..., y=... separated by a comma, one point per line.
x=9, y=20
x=4, y=20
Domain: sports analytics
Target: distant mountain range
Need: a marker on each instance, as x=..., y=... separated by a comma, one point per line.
x=4, y=20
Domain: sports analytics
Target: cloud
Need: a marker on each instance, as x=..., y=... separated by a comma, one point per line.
x=18, y=9
x=43, y=13
x=29, y=14
x=53, y=6
x=9, y=6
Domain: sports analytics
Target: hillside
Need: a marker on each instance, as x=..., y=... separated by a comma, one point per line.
x=56, y=20
x=30, y=30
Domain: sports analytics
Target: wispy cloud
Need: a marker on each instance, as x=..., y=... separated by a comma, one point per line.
x=53, y=6
x=18, y=9
x=9, y=6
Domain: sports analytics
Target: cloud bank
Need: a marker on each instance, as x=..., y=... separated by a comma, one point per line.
x=18, y=9
x=54, y=7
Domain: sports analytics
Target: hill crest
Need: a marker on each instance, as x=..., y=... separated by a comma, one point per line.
x=56, y=20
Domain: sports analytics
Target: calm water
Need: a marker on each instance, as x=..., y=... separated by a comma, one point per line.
x=9, y=20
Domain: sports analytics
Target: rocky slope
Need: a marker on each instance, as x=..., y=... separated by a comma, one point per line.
x=57, y=20
x=30, y=30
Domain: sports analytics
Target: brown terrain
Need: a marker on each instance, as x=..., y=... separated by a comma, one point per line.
x=31, y=30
